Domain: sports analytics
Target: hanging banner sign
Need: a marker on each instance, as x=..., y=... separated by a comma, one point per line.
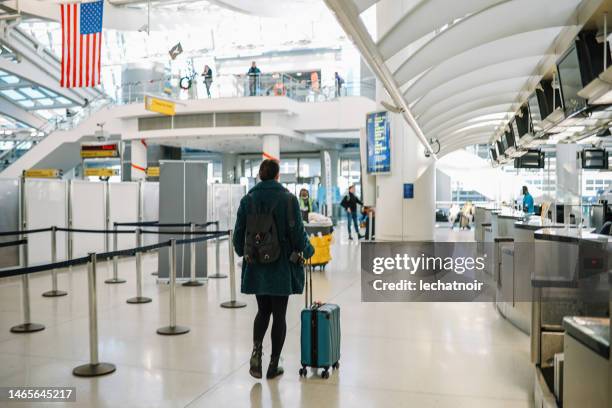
x=100, y=172
x=42, y=173
x=99, y=150
x=160, y=106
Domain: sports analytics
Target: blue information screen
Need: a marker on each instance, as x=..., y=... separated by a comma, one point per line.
x=408, y=190
x=378, y=137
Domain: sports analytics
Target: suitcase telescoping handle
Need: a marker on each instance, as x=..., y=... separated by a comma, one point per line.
x=308, y=285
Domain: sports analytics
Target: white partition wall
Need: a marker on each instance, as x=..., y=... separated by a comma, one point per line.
x=224, y=202
x=46, y=205
x=88, y=207
x=150, y=209
x=123, y=207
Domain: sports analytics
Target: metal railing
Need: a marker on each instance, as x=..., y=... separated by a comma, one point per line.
x=233, y=86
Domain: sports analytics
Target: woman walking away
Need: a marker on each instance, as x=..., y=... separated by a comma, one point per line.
x=208, y=77
x=269, y=235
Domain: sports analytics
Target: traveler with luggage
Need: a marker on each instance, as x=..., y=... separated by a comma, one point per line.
x=208, y=78
x=269, y=235
x=349, y=203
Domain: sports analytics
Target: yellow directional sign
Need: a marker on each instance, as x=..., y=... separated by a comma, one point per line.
x=100, y=172
x=153, y=171
x=160, y=106
x=42, y=173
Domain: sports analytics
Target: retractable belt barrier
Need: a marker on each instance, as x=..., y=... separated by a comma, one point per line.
x=13, y=243
x=95, y=367
x=24, y=232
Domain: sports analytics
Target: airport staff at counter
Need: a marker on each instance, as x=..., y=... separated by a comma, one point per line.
x=527, y=201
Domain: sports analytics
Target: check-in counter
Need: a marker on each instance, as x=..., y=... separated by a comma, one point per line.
x=586, y=355
x=482, y=216
x=569, y=279
x=514, y=289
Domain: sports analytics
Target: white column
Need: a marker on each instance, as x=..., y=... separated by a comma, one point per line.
x=139, y=159
x=271, y=147
x=398, y=218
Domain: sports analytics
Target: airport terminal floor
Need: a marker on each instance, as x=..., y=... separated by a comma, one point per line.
x=393, y=354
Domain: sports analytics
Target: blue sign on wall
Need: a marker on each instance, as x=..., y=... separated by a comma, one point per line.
x=378, y=138
x=408, y=190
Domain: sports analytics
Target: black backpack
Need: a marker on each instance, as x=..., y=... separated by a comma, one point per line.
x=262, y=243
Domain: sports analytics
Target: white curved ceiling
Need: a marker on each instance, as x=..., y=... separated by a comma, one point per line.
x=464, y=67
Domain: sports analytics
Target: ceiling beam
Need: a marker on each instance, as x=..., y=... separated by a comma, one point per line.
x=347, y=15
x=20, y=114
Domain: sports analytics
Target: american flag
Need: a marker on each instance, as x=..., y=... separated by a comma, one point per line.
x=81, y=43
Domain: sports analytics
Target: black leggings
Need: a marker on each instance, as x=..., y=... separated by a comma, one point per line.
x=271, y=306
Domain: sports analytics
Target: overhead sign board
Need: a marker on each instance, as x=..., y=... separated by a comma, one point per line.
x=153, y=171
x=100, y=172
x=162, y=106
x=42, y=173
x=378, y=140
x=99, y=150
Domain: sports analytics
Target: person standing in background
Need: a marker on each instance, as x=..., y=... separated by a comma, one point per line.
x=339, y=82
x=208, y=78
x=254, y=74
x=349, y=203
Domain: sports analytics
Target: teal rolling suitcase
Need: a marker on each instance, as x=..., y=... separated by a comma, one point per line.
x=320, y=336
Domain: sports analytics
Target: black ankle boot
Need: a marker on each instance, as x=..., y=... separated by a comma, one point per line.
x=255, y=361
x=274, y=369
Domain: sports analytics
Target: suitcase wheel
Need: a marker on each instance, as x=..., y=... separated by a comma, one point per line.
x=303, y=372
x=336, y=365
x=325, y=373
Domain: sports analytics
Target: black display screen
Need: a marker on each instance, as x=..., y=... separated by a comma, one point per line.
x=571, y=82
x=596, y=159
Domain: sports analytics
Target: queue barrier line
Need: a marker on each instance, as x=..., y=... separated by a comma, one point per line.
x=96, y=368
x=158, y=224
x=24, y=232
x=13, y=243
x=224, y=232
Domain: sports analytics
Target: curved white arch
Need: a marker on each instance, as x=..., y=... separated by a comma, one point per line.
x=505, y=97
x=424, y=18
x=518, y=68
x=461, y=36
x=446, y=149
x=466, y=118
x=477, y=92
x=505, y=50
x=505, y=86
x=489, y=130
x=489, y=125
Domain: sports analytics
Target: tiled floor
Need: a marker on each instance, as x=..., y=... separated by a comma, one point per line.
x=393, y=354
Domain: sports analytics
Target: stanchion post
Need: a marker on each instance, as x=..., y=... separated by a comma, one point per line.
x=173, y=329
x=139, y=298
x=94, y=368
x=370, y=225
x=54, y=292
x=115, y=278
x=232, y=303
x=26, y=326
x=217, y=274
x=192, y=264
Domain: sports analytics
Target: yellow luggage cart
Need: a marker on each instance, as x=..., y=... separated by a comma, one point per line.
x=321, y=239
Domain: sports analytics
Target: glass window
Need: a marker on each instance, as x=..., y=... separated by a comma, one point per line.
x=310, y=167
x=32, y=93
x=14, y=95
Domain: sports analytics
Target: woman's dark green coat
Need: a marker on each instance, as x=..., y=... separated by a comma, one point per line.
x=281, y=278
